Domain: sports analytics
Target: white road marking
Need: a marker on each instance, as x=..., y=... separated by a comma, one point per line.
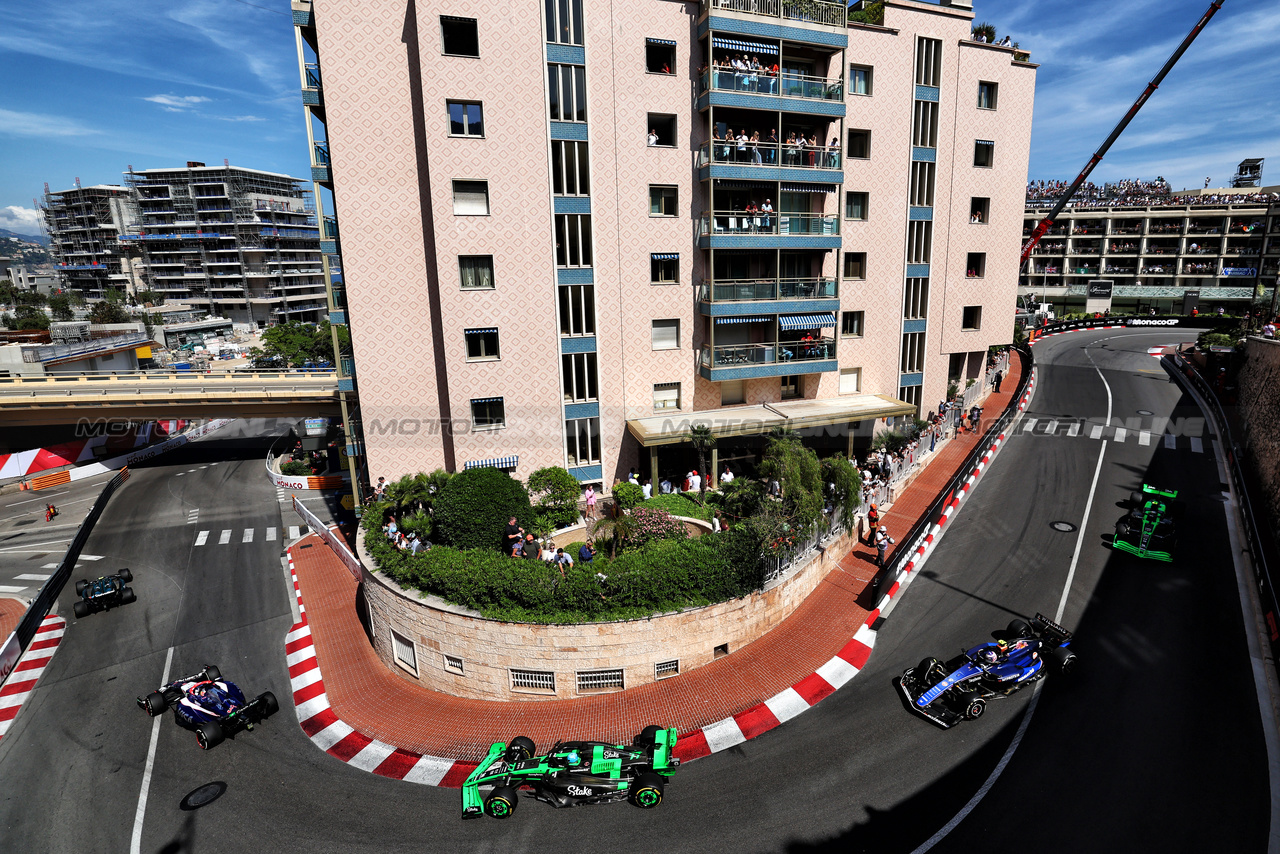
x=1074, y=429
x=1029, y=425
x=92, y=557
x=1144, y=438
x=50, y=566
x=293, y=532
x=201, y=538
x=1170, y=441
x=1197, y=445
x=1121, y=433
x=1052, y=429
x=8, y=588
x=135, y=844
x=271, y=535
x=26, y=577
x=248, y=536
x=180, y=474
x=224, y=537
x=1095, y=432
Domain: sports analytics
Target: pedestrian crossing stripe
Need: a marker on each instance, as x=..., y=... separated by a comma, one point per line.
x=1170, y=441
x=201, y=538
x=27, y=577
x=248, y=536
x=271, y=535
x=1095, y=432
x=1197, y=445
x=92, y=557
x=224, y=537
x=1120, y=434
x=1030, y=425
x=8, y=588
x=1074, y=429
x=1052, y=428
x=1144, y=438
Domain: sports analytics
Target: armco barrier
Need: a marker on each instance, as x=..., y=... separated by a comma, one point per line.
x=336, y=543
x=1202, y=321
x=49, y=591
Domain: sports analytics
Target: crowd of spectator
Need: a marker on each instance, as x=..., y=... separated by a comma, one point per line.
x=1135, y=192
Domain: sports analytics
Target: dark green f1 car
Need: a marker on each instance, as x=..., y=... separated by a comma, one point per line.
x=1148, y=530
x=571, y=774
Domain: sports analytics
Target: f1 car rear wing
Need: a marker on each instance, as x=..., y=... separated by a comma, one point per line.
x=1044, y=625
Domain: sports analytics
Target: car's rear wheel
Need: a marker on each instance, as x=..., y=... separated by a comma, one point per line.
x=80, y=609
x=521, y=748
x=127, y=595
x=212, y=673
x=975, y=708
x=80, y=586
x=647, y=737
x=647, y=791
x=269, y=704
x=1019, y=629
x=125, y=575
x=1064, y=659
x=209, y=735
x=154, y=703
x=501, y=802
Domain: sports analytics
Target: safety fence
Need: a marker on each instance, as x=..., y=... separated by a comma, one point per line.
x=336, y=543
x=52, y=587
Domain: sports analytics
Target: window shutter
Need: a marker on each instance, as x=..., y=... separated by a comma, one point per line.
x=666, y=334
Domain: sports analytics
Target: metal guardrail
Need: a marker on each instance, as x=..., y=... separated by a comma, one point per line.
x=51, y=352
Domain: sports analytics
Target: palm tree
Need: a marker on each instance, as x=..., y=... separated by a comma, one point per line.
x=703, y=440
x=984, y=32
x=615, y=530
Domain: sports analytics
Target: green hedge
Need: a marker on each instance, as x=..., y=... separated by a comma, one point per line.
x=678, y=505
x=663, y=576
x=473, y=508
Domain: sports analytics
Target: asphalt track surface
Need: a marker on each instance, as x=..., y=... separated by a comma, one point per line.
x=1155, y=744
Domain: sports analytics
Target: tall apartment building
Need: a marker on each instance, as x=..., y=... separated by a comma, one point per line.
x=553, y=255
x=84, y=225
x=1168, y=258
x=241, y=243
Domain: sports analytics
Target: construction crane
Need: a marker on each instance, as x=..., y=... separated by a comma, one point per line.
x=1045, y=223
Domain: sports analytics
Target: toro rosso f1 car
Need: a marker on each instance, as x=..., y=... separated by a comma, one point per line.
x=573, y=773
x=947, y=693
x=209, y=705
x=103, y=593
x=1148, y=530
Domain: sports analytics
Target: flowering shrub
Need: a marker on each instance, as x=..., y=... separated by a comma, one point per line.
x=652, y=525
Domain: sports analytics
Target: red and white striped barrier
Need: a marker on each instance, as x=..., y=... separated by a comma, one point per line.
x=22, y=680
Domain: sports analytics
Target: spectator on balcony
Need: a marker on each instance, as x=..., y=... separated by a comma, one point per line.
x=766, y=211
x=726, y=151
x=771, y=152
x=833, y=153
x=755, y=149
x=653, y=137
x=793, y=150
x=743, y=139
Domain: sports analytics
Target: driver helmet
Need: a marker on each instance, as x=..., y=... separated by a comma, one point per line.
x=573, y=758
x=991, y=655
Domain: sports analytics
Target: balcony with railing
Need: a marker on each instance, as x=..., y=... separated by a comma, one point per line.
x=818, y=12
x=738, y=229
x=763, y=157
x=724, y=78
x=770, y=359
x=768, y=290
x=320, y=163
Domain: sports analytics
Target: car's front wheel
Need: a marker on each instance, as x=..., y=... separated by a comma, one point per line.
x=521, y=748
x=212, y=673
x=209, y=735
x=501, y=802
x=975, y=709
x=154, y=703
x=924, y=670
x=647, y=792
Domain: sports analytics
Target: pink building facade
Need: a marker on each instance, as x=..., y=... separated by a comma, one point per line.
x=552, y=254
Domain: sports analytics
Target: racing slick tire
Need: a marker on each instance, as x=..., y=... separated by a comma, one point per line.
x=269, y=704
x=501, y=802
x=125, y=575
x=519, y=749
x=1135, y=498
x=1019, y=629
x=209, y=735
x=80, y=609
x=212, y=673
x=648, y=736
x=127, y=596
x=647, y=791
x=1122, y=530
x=924, y=669
x=80, y=586
x=154, y=703
x=974, y=709
x=1063, y=659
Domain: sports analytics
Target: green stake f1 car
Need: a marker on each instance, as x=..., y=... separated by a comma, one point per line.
x=572, y=773
x=1148, y=531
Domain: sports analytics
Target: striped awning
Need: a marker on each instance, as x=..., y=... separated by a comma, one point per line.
x=495, y=463
x=725, y=321
x=746, y=47
x=660, y=41
x=665, y=256
x=808, y=188
x=791, y=322
x=485, y=399
x=484, y=331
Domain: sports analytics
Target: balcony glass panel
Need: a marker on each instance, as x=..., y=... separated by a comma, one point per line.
x=724, y=78
x=758, y=153
x=806, y=11
x=750, y=290
x=771, y=353
x=784, y=224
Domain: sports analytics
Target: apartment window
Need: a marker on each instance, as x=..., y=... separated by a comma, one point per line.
x=732, y=392
x=578, y=370
x=662, y=200
x=470, y=198
x=666, y=396
x=564, y=21
x=466, y=118
x=850, y=380
x=859, y=144
x=577, y=310
x=924, y=124
x=987, y=95
x=567, y=93
x=855, y=265
x=582, y=440
x=482, y=344
x=983, y=153
x=459, y=36
x=979, y=210
x=915, y=303
x=405, y=653
x=912, y=353
x=570, y=168
x=859, y=79
x=666, y=334
x=573, y=240
x=663, y=126
x=477, y=272
x=928, y=62
x=919, y=241
x=488, y=413
x=975, y=265
x=851, y=324
x=971, y=317
x=922, y=183
x=910, y=394
x=659, y=56
x=664, y=269
x=855, y=205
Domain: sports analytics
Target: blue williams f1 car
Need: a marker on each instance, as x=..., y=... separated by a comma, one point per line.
x=209, y=705
x=947, y=693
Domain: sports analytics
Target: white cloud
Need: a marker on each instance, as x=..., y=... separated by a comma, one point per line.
x=239, y=118
x=17, y=123
x=176, y=103
x=21, y=220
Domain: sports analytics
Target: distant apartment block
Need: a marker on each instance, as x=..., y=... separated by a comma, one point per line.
x=84, y=225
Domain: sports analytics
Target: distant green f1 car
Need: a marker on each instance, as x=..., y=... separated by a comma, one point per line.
x=572, y=773
x=1148, y=531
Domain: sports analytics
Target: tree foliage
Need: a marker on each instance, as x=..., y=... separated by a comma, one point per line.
x=60, y=307
x=473, y=507
x=799, y=476
x=703, y=440
x=296, y=343
x=845, y=486
x=627, y=495
x=871, y=13
x=554, y=493
x=108, y=311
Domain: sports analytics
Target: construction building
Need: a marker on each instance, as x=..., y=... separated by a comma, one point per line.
x=84, y=225
x=555, y=255
x=240, y=243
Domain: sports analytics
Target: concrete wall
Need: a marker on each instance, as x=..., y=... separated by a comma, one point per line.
x=1259, y=385
x=489, y=648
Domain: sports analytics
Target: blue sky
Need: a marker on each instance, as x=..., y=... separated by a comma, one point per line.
x=91, y=87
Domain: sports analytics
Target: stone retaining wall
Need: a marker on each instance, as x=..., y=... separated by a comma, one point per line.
x=1259, y=398
x=443, y=636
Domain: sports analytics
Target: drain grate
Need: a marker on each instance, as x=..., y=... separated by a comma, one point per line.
x=1064, y=527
